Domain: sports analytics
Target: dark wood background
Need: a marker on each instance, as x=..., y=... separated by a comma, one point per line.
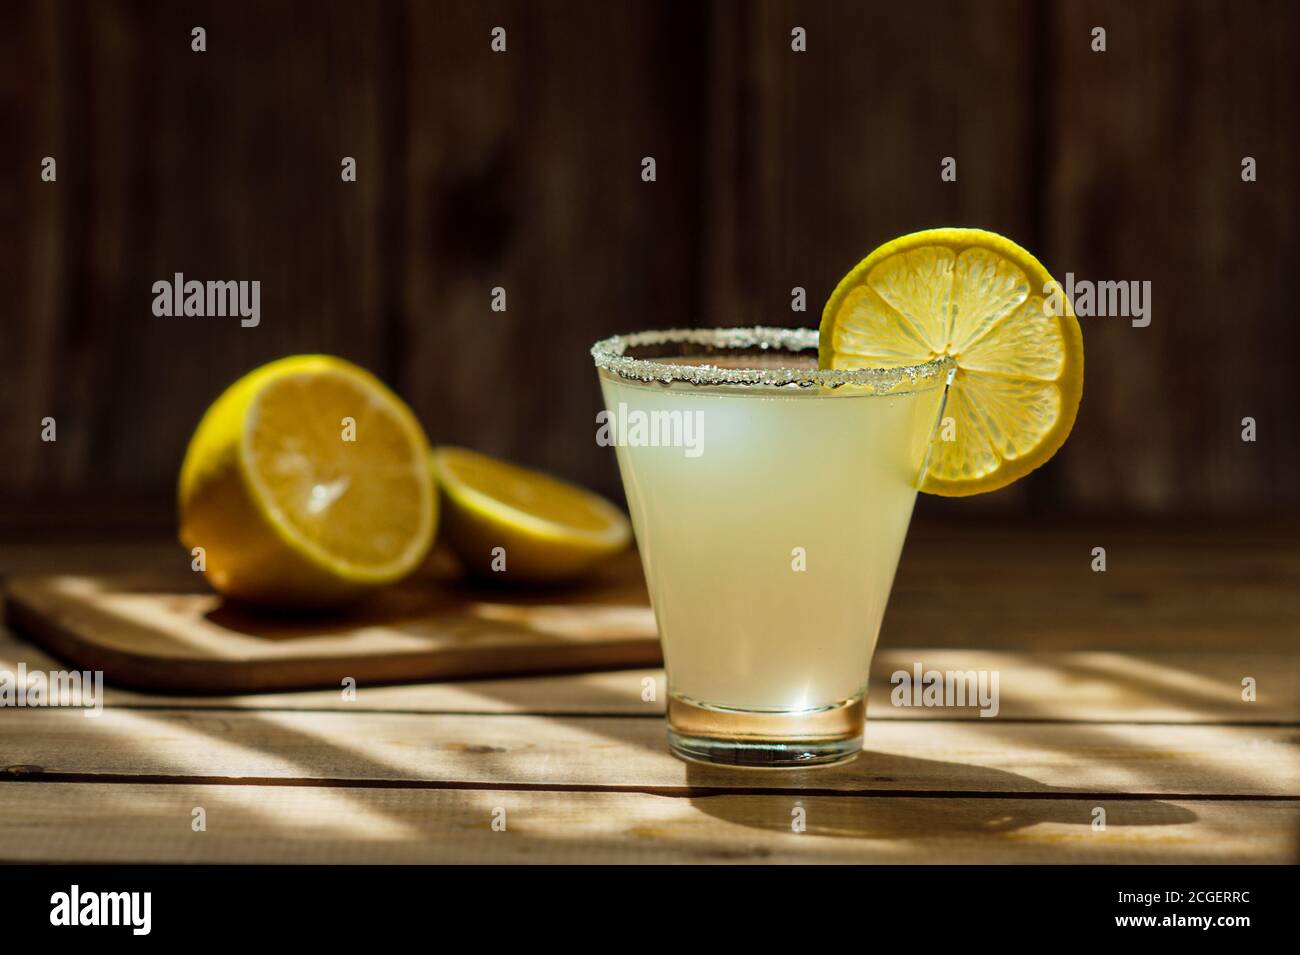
x=522, y=170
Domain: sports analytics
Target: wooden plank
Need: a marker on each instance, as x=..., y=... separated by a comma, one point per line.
x=223, y=165
x=605, y=752
x=610, y=692
x=1167, y=586
x=820, y=155
x=817, y=157
x=1078, y=687
x=479, y=169
x=33, y=218
x=170, y=632
x=523, y=171
x=1198, y=687
x=1149, y=142
x=151, y=823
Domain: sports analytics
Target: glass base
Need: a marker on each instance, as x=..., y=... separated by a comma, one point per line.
x=765, y=740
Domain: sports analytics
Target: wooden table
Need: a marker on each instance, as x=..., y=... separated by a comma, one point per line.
x=1121, y=698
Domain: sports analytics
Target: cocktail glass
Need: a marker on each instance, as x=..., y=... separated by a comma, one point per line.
x=770, y=500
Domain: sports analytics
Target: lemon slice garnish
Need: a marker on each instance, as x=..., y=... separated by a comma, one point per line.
x=980, y=299
x=509, y=523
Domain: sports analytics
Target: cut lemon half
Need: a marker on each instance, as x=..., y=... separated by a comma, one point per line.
x=989, y=305
x=306, y=484
x=509, y=523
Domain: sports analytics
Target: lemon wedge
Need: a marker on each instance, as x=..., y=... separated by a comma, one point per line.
x=514, y=524
x=989, y=305
x=306, y=484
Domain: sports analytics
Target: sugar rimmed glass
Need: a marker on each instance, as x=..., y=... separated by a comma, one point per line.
x=770, y=501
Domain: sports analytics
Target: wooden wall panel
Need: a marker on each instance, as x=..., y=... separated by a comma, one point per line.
x=524, y=172
x=220, y=165
x=1151, y=135
x=32, y=214
x=817, y=157
x=820, y=156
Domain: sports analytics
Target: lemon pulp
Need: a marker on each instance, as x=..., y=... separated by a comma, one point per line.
x=306, y=483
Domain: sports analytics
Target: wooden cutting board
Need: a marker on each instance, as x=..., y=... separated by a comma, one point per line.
x=168, y=631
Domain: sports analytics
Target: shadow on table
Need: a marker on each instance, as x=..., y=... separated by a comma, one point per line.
x=980, y=800
x=439, y=599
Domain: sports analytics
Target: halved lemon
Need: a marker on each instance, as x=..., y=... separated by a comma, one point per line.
x=306, y=484
x=980, y=299
x=514, y=524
